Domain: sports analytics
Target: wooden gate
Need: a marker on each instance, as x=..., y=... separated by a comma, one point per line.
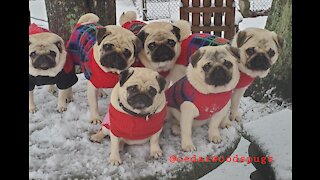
x=208, y=17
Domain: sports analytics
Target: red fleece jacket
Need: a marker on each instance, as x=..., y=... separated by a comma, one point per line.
x=244, y=81
x=133, y=128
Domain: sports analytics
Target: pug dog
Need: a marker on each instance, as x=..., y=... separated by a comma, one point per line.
x=48, y=65
x=136, y=113
x=204, y=94
x=259, y=50
x=102, y=52
x=161, y=42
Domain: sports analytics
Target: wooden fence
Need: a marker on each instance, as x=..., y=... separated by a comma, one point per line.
x=208, y=17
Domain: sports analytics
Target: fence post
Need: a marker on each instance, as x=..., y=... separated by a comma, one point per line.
x=183, y=14
x=207, y=16
x=229, y=20
x=195, y=16
x=218, y=17
x=144, y=10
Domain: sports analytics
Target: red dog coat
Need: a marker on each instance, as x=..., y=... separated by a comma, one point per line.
x=244, y=81
x=134, y=128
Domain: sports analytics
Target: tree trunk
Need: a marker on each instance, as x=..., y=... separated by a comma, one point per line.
x=63, y=15
x=278, y=83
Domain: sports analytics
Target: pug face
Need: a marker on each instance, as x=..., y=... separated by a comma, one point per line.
x=161, y=45
x=141, y=90
x=214, y=68
x=47, y=54
x=116, y=48
x=259, y=50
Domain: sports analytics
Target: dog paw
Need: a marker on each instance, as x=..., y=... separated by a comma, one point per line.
x=69, y=99
x=234, y=116
x=52, y=89
x=215, y=138
x=188, y=146
x=96, y=138
x=225, y=124
x=95, y=120
x=176, y=129
x=156, y=153
x=61, y=109
x=102, y=94
x=32, y=109
x=115, y=160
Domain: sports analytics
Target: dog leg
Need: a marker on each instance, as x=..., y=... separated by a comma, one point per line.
x=114, y=157
x=98, y=137
x=62, y=100
x=121, y=145
x=235, y=103
x=188, y=112
x=216, y=119
x=32, y=106
x=69, y=95
x=225, y=123
x=93, y=103
x=52, y=88
x=155, y=150
x=102, y=93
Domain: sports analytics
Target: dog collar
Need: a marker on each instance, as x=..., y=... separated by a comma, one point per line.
x=147, y=115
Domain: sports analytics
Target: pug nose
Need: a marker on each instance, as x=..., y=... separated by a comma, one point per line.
x=218, y=72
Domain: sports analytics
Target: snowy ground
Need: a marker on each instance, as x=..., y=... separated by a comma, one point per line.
x=59, y=145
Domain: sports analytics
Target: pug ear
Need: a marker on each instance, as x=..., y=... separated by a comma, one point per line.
x=176, y=32
x=125, y=75
x=184, y=29
x=279, y=42
x=142, y=35
x=101, y=34
x=195, y=57
x=162, y=82
x=59, y=45
x=137, y=46
x=242, y=38
x=234, y=51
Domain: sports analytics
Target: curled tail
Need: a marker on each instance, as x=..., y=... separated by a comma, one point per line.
x=127, y=17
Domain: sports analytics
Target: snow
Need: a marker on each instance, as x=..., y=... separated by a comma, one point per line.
x=59, y=146
x=274, y=134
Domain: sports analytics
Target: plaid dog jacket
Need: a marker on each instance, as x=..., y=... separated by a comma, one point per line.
x=64, y=79
x=80, y=51
x=196, y=41
x=207, y=104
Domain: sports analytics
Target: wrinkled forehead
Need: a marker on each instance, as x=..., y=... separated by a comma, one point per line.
x=143, y=79
x=215, y=55
x=262, y=41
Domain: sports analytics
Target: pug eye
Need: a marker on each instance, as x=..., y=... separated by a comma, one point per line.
x=171, y=42
x=206, y=67
x=152, y=45
x=152, y=91
x=227, y=64
x=52, y=53
x=33, y=54
x=250, y=51
x=108, y=47
x=271, y=53
x=132, y=89
x=126, y=53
